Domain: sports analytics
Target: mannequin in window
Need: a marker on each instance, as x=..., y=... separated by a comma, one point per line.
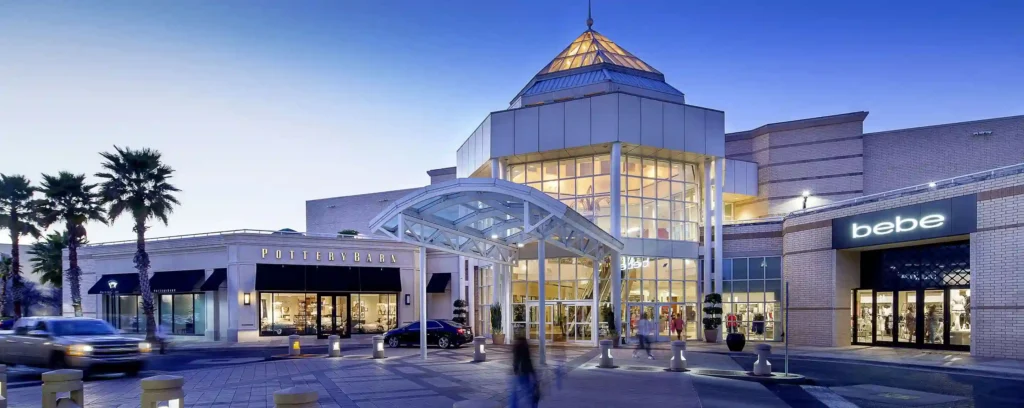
x=886, y=314
x=910, y=321
x=931, y=324
x=958, y=311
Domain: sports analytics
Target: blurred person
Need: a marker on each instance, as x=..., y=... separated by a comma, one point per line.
x=524, y=382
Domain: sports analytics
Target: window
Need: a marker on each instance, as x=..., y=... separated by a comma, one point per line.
x=751, y=296
x=432, y=325
x=373, y=313
x=582, y=183
x=659, y=199
x=179, y=314
x=483, y=297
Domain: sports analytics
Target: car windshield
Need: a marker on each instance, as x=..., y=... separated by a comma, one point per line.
x=81, y=328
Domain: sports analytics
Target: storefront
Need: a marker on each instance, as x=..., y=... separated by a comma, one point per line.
x=325, y=300
x=178, y=301
x=915, y=274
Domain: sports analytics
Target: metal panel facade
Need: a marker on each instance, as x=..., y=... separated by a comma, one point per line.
x=652, y=123
x=604, y=118
x=503, y=131
x=577, y=122
x=629, y=119
x=527, y=130
x=714, y=132
x=695, y=141
x=674, y=126
x=552, y=127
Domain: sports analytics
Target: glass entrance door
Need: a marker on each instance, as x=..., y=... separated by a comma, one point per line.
x=332, y=315
x=922, y=318
x=635, y=312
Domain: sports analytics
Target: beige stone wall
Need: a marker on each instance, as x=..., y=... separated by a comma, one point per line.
x=821, y=278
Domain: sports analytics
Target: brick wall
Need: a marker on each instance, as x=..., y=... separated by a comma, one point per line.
x=747, y=240
x=907, y=157
x=820, y=278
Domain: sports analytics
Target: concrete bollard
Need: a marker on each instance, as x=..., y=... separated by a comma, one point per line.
x=3, y=402
x=378, y=346
x=477, y=404
x=58, y=381
x=3, y=381
x=479, y=354
x=296, y=397
x=606, y=354
x=162, y=388
x=762, y=366
x=294, y=348
x=334, y=346
x=678, y=360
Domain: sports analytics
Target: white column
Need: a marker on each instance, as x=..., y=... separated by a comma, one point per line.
x=211, y=310
x=234, y=294
x=708, y=220
x=423, y=302
x=498, y=168
x=595, y=311
x=506, y=307
x=541, y=285
x=719, y=210
x=616, y=220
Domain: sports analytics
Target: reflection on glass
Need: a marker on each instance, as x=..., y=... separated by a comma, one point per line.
x=907, y=317
x=933, y=300
x=960, y=317
x=884, y=320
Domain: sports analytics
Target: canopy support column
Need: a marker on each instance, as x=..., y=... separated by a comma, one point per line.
x=506, y=308
x=616, y=267
x=595, y=309
x=541, y=322
x=423, y=302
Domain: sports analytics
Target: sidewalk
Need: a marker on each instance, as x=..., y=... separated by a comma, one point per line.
x=936, y=359
x=200, y=343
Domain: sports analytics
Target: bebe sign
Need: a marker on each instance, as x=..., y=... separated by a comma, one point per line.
x=900, y=225
x=950, y=217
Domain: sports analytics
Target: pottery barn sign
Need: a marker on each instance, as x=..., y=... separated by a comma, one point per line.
x=329, y=256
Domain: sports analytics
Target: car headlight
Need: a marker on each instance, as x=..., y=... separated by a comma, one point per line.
x=145, y=347
x=79, y=350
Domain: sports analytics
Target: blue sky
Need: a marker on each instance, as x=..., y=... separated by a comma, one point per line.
x=261, y=105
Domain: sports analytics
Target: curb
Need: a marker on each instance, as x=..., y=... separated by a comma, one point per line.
x=956, y=370
x=25, y=384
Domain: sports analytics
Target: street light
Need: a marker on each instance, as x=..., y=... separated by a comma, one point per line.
x=112, y=284
x=806, y=193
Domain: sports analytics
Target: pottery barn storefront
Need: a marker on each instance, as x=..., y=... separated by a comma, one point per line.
x=240, y=286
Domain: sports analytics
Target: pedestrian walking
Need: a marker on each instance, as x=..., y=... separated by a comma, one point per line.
x=525, y=383
x=643, y=332
x=677, y=326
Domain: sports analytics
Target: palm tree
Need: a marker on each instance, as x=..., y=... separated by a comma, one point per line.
x=18, y=215
x=5, y=274
x=69, y=199
x=137, y=182
x=47, y=258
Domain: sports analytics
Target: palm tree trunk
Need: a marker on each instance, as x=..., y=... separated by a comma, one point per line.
x=74, y=273
x=3, y=294
x=16, y=263
x=142, y=264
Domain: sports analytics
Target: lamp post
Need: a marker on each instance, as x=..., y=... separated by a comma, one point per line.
x=112, y=284
x=806, y=194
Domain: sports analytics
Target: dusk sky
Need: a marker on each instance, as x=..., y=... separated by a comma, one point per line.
x=261, y=105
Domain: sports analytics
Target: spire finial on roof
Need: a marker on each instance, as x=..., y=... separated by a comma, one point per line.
x=590, y=21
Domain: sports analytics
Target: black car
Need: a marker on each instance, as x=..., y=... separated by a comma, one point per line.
x=443, y=333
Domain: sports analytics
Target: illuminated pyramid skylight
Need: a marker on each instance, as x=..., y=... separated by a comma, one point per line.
x=592, y=48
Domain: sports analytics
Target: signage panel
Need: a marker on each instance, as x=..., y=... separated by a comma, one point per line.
x=934, y=219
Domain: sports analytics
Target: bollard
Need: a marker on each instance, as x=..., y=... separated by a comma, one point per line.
x=3, y=382
x=296, y=397
x=606, y=355
x=762, y=366
x=294, y=349
x=479, y=354
x=162, y=388
x=334, y=346
x=378, y=346
x=678, y=360
x=58, y=381
x=3, y=402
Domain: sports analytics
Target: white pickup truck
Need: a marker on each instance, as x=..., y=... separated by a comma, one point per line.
x=55, y=342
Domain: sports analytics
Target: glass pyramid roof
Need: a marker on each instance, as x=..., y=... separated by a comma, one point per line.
x=592, y=48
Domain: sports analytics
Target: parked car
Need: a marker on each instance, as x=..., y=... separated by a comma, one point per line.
x=442, y=333
x=91, y=345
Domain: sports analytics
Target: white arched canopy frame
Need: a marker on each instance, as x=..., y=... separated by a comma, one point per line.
x=490, y=219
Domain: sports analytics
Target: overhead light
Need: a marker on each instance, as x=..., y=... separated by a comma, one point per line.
x=931, y=185
x=806, y=193
x=519, y=245
x=494, y=236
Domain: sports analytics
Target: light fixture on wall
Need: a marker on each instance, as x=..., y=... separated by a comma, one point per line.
x=805, y=194
x=408, y=299
x=246, y=299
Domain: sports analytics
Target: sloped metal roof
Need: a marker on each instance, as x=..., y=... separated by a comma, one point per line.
x=597, y=76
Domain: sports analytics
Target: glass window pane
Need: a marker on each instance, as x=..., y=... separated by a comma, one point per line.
x=516, y=174
x=663, y=229
x=634, y=230
x=651, y=291
x=650, y=209
x=691, y=292
x=649, y=170
x=584, y=186
x=649, y=268
x=567, y=188
x=184, y=315
x=663, y=170
x=566, y=168
x=649, y=227
x=532, y=172
x=664, y=209
x=691, y=231
x=691, y=269
x=774, y=268
x=585, y=166
x=739, y=268
x=756, y=268
x=690, y=173
x=678, y=231
x=602, y=184
x=756, y=290
x=604, y=223
x=960, y=317
x=677, y=291
x=603, y=205
x=550, y=170
x=933, y=327
x=664, y=292
x=603, y=164
x=633, y=208
x=633, y=166
x=634, y=186
x=266, y=313
x=649, y=188
x=677, y=171
x=166, y=317
x=664, y=266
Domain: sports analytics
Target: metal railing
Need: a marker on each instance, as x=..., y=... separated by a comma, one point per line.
x=920, y=188
x=232, y=232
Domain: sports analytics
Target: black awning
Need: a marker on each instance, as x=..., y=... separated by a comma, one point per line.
x=380, y=280
x=216, y=279
x=127, y=283
x=438, y=282
x=176, y=281
x=314, y=278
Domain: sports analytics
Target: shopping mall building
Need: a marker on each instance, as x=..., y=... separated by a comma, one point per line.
x=600, y=191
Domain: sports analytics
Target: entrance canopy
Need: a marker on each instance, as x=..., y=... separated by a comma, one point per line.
x=490, y=219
